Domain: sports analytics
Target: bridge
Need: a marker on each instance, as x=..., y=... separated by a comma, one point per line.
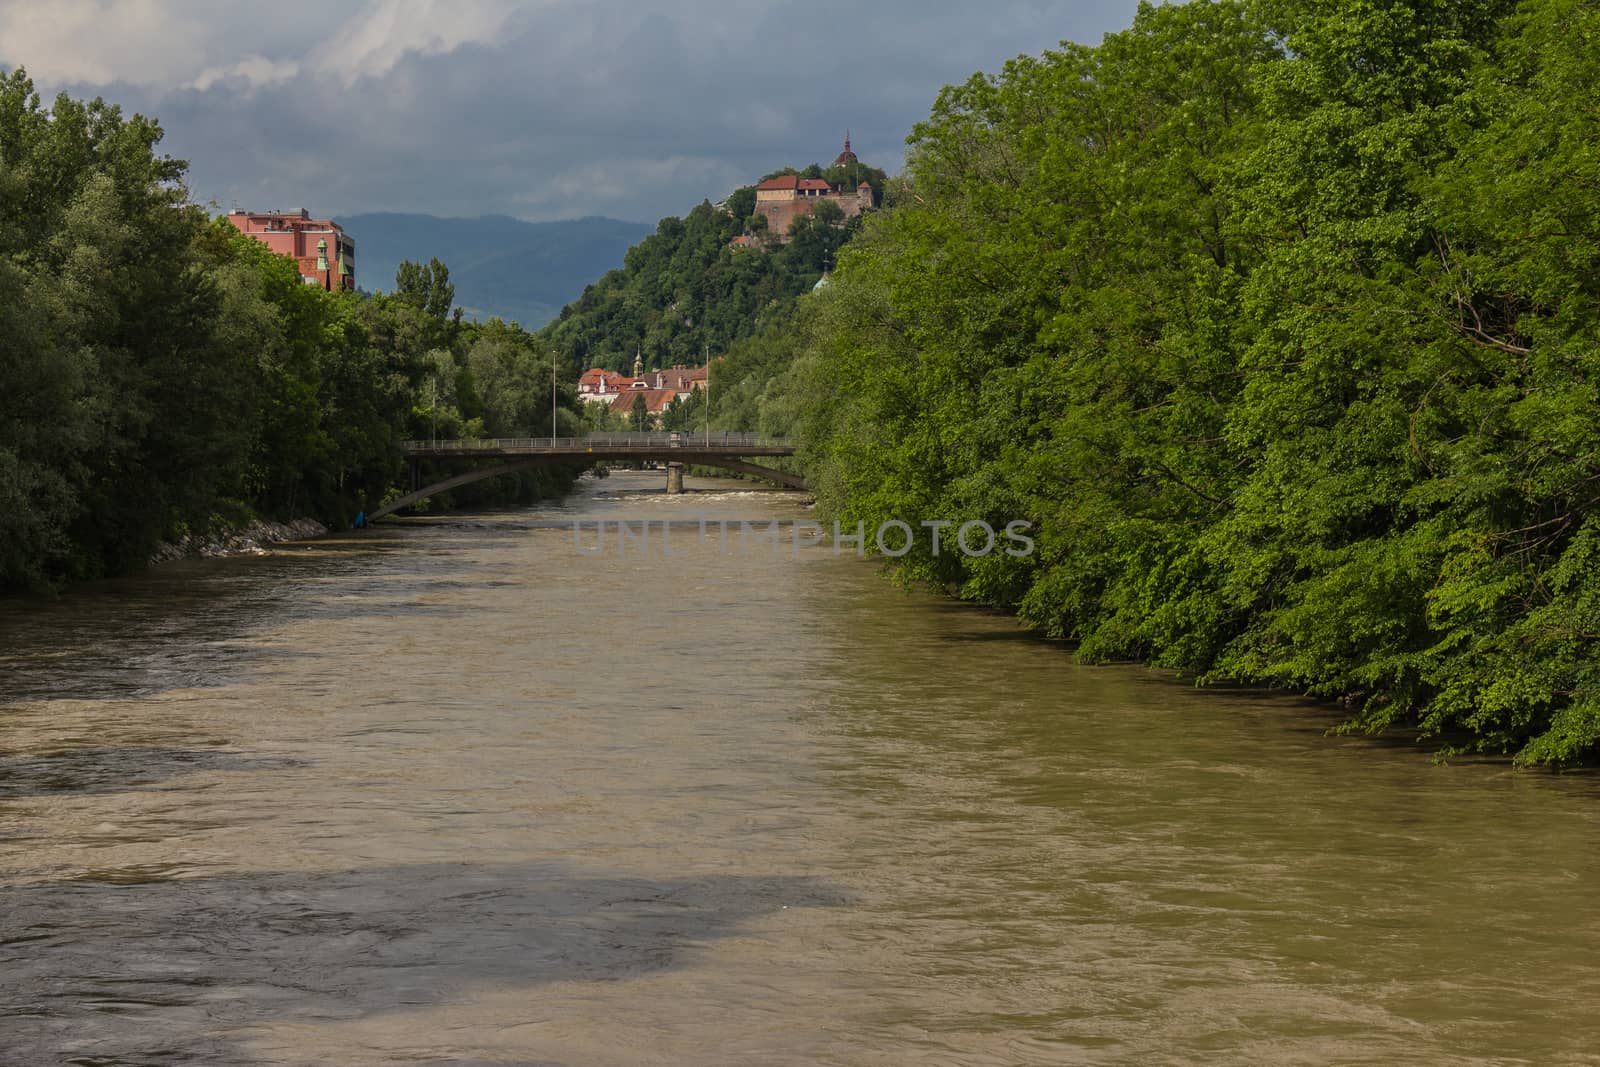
x=727, y=450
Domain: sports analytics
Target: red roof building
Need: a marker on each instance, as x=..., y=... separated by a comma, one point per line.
x=680, y=379
x=655, y=400
x=325, y=254
x=787, y=197
x=598, y=385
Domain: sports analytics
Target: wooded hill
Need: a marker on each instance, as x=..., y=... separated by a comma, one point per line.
x=684, y=292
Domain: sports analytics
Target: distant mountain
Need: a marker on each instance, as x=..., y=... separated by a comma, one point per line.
x=526, y=271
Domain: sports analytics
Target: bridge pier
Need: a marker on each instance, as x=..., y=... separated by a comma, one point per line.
x=674, y=478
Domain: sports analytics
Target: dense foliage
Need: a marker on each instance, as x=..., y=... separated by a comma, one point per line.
x=161, y=374
x=1279, y=319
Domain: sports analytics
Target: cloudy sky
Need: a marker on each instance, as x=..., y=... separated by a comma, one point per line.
x=542, y=109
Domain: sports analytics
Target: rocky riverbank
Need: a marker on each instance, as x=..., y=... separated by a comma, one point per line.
x=249, y=540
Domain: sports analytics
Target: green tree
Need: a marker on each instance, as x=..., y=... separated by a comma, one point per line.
x=426, y=288
x=165, y=375
x=1275, y=320
x=742, y=202
x=121, y=326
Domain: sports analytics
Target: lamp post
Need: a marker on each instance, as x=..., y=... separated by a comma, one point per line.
x=705, y=354
x=552, y=400
x=433, y=410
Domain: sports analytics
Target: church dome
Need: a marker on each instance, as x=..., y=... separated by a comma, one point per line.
x=846, y=157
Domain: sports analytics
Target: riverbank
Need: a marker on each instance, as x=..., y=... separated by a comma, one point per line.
x=252, y=539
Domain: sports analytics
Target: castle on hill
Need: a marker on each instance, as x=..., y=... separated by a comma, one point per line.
x=787, y=197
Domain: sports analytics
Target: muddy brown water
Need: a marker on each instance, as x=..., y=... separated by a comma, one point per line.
x=452, y=792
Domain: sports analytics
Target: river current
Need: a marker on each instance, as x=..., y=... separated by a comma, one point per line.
x=452, y=791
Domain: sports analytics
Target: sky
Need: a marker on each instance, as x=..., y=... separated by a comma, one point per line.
x=539, y=109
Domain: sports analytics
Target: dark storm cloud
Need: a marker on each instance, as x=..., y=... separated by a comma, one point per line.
x=537, y=109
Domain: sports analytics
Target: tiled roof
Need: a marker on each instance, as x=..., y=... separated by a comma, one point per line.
x=672, y=380
x=682, y=381
x=655, y=400
x=597, y=380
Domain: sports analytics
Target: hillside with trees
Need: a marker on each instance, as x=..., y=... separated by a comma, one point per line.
x=685, y=291
x=1281, y=322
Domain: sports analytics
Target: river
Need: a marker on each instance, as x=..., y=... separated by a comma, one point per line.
x=450, y=791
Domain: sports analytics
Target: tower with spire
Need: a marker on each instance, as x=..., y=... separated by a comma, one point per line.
x=846, y=158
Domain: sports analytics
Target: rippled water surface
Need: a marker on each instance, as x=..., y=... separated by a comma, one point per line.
x=451, y=792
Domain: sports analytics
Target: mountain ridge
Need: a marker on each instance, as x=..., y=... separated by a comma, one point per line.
x=500, y=265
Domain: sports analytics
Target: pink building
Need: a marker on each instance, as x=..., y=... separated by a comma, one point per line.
x=325, y=253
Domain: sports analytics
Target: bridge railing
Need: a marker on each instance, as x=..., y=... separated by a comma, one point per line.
x=686, y=439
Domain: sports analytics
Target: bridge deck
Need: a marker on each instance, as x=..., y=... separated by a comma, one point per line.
x=729, y=450
x=607, y=445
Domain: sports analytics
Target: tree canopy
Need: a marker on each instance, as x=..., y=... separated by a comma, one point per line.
x=164, y=374
x=1279, y=321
